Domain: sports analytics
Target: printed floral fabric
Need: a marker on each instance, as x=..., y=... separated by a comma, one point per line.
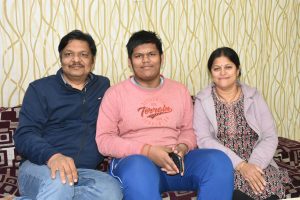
x=235, y=133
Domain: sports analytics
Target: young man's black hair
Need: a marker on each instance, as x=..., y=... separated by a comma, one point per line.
x=143, y=37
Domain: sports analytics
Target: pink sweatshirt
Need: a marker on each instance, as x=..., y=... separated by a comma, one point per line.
x=131, y=116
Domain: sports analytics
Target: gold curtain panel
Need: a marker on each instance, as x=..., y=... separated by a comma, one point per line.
x=264, y=33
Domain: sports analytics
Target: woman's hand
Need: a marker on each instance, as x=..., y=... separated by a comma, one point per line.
x=253, y=175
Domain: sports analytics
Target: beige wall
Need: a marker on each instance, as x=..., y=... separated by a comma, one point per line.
x=264, y=33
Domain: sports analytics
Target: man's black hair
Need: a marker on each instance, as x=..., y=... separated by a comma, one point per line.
x=78, y=35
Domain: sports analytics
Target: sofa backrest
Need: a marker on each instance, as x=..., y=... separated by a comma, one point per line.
x=9, y=118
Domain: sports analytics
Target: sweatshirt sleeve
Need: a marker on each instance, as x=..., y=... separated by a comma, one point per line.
x=206, y=134
x=28, y=137
x=264, y=150
x=187, y=135
x=108, y=138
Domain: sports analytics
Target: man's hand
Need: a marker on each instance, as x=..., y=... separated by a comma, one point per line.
x=253, y=175
x=66, y=167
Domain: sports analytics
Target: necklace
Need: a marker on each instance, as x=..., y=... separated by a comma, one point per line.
x=229, y=98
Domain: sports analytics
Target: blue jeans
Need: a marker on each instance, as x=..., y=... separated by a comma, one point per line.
x=35, y=183
x=207, y=171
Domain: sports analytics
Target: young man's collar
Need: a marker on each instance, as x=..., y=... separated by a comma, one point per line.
x=133, y=80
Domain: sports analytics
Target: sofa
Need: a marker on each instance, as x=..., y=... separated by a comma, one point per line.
x=287, y=156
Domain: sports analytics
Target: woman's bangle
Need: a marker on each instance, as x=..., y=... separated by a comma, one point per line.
x=240, y=166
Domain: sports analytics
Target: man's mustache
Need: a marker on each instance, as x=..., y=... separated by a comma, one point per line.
x=76, y=65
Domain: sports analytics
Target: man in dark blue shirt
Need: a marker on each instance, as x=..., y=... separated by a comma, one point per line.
x=56, y=133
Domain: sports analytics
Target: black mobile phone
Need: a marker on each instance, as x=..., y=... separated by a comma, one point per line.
x=177, y=160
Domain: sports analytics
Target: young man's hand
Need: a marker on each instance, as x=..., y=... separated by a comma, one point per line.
x=160, y=156
x=181, y=149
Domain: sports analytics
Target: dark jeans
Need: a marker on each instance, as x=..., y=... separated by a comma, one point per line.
x=238, y=195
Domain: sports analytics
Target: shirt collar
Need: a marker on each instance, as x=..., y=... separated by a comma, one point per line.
x=89, y=78
x=132, y=79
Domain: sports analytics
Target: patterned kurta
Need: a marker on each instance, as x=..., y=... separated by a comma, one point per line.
x=235, y=133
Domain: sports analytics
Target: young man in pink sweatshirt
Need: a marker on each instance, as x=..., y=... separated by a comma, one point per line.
x=144, y=118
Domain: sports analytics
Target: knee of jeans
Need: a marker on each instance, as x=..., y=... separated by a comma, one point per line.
x=116, y=195
x=137, y=169
x=218, y=162
x=113, y=190
x=40, y=188
x=224, y=165
x=138, y=163
x=107, y=188
x=57, y=186
x=107, y=193
x=220, y=157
